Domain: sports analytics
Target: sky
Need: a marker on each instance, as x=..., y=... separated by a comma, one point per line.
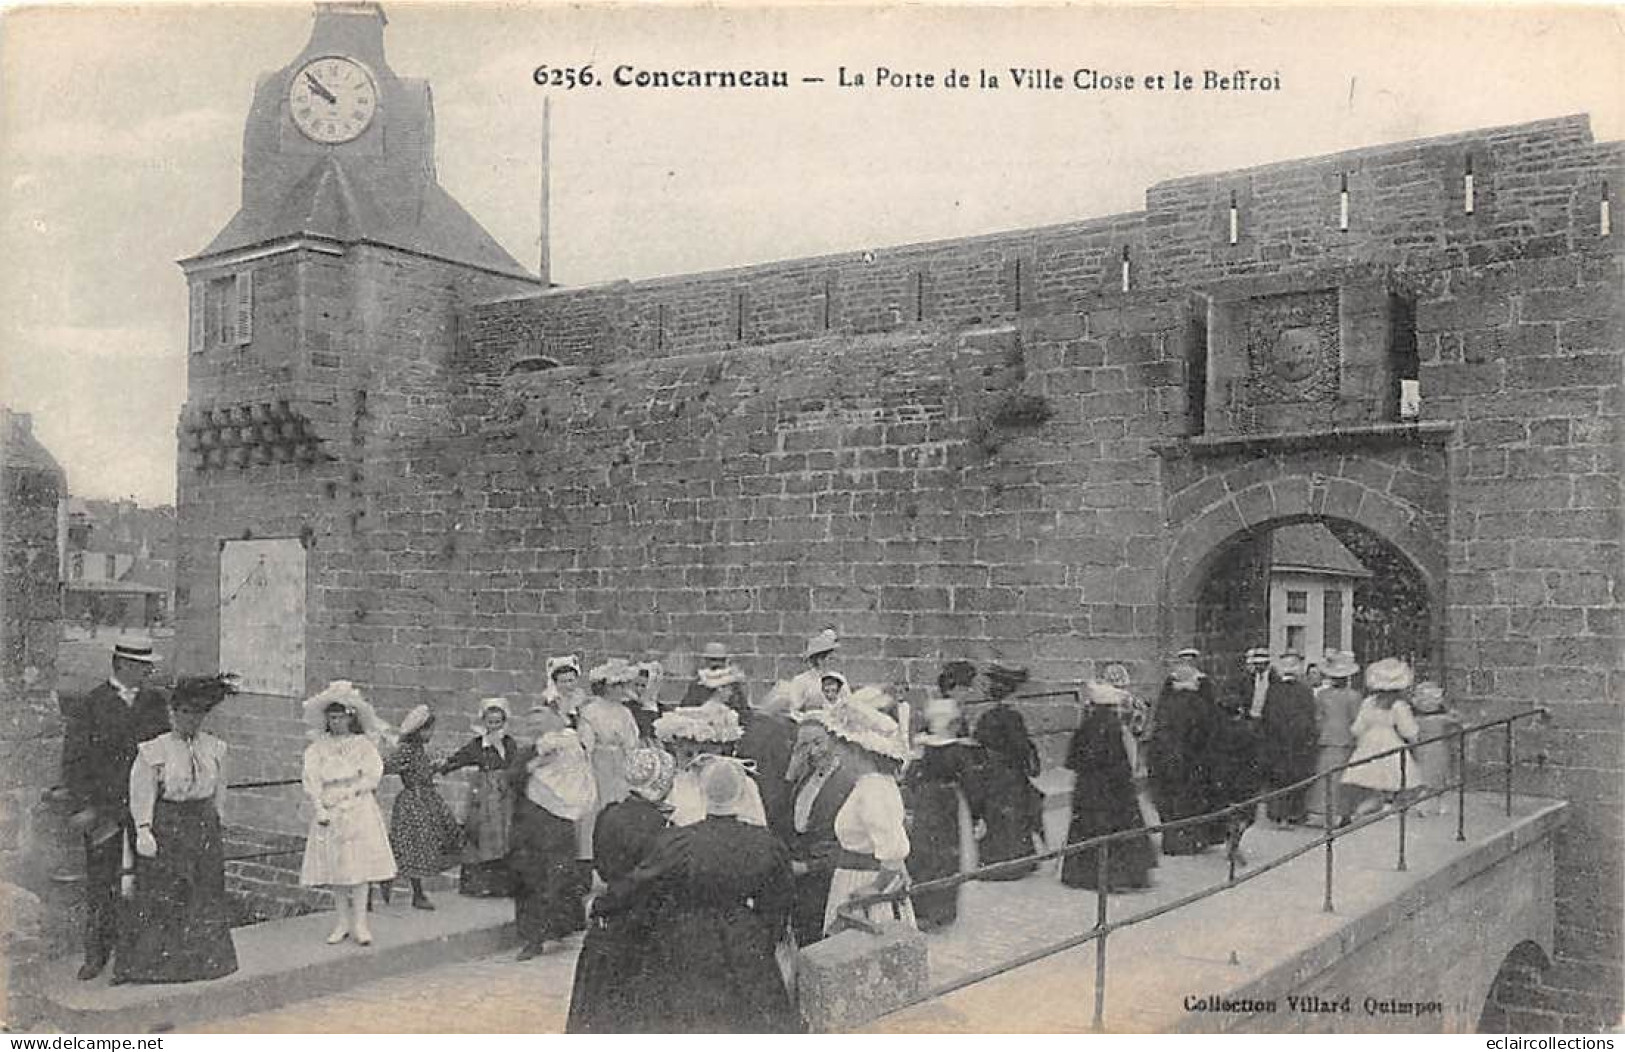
x=121, y=144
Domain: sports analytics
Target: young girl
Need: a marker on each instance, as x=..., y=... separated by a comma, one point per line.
x=1435, y=762
x=1384, y=722
x=422, y=831
x=347, y=847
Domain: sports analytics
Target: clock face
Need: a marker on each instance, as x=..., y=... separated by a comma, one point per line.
x=332, y=99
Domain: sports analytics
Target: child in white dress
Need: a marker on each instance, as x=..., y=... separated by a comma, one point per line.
x=1384, y=722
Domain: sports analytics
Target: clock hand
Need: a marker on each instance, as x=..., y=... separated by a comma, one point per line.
x=316, y=86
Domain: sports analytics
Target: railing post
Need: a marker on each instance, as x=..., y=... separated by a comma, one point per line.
x=1102, y=881
x=1507, y=756
x=1461, y=785
x=1404, y=807
x=1331, y=826
x=1232, y=843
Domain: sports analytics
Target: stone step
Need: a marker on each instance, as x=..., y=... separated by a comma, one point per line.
x=281, y=962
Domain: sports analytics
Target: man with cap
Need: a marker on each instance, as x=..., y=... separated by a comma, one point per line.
x=807, y=690
x=1258, y=663
x=98, y=748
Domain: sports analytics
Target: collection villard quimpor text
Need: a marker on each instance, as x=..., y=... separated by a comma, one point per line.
x=884, y=78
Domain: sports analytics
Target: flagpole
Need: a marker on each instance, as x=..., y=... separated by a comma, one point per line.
x=545, y=266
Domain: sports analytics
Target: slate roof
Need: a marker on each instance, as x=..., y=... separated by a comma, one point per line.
x=1313, y=548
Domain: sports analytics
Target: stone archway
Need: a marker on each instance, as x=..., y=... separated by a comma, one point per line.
x=1202, y=532
x=1521, y=968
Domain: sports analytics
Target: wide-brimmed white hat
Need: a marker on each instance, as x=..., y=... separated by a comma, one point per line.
x=1340, y=663
x=711, y=722
x=822, y=643
x=343, y=693
x=1388, y=674
x=866, y=727
x=650, y=772
x=566, y=661
x=613, y=671
x=1189, y=653
x=1104, y=695
x=717, y=678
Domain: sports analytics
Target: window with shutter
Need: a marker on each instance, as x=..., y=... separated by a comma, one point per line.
x=245, y=308
x=221, y=328
x=200, y=316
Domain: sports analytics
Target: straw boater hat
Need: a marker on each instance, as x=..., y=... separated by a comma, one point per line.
x=135, y=650
x=716, y=651
x=649, y=773
x=613, y=671
x=822, y=643
x=712, y=722
x=866, y=727
x=1388, y=674
x=1258, y=655
x=202, y=693
x=1188, y=654
x=568, y=661
x=343, y=693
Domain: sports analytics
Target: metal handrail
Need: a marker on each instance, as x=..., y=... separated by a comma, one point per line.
x=847, y=913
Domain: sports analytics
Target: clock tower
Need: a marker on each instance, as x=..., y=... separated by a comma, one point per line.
x=323, y=324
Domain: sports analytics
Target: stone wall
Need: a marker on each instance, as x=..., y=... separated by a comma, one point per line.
x=985, y=448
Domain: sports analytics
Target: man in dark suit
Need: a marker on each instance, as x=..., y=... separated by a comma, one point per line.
x=822, y=784
x=98, y=749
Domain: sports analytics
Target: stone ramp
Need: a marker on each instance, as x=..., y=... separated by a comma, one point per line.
x=1252, y=940
x=280, y=963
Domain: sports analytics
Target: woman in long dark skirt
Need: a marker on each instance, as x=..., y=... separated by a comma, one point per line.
x=180, y=918
x=608, y=996
x=1234, y=769
x=944, y=768
x=1104, y=800
x=1013, y=809
x=1289, y=739
x=491, y=752
x=556, y=791
x=1179, y=764
x=720, y=892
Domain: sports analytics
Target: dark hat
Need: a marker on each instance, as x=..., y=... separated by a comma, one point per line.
x=202, y=693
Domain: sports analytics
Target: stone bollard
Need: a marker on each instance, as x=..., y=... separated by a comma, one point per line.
x=21, y=956
x=853, y=978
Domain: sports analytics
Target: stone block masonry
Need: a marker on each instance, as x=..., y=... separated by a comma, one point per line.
x=976, y=448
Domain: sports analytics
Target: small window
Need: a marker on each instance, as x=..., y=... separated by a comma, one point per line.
x=110, y=566
x=1334, y=619
x=76, y=566
x=1295, y=638
x=1297, y=602
x=222, y=316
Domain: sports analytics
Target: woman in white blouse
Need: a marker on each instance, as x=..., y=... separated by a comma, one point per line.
x=347, y=847
x=870, y=826
x=180, y=929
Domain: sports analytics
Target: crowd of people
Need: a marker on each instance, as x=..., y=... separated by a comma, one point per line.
x=698, y=844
